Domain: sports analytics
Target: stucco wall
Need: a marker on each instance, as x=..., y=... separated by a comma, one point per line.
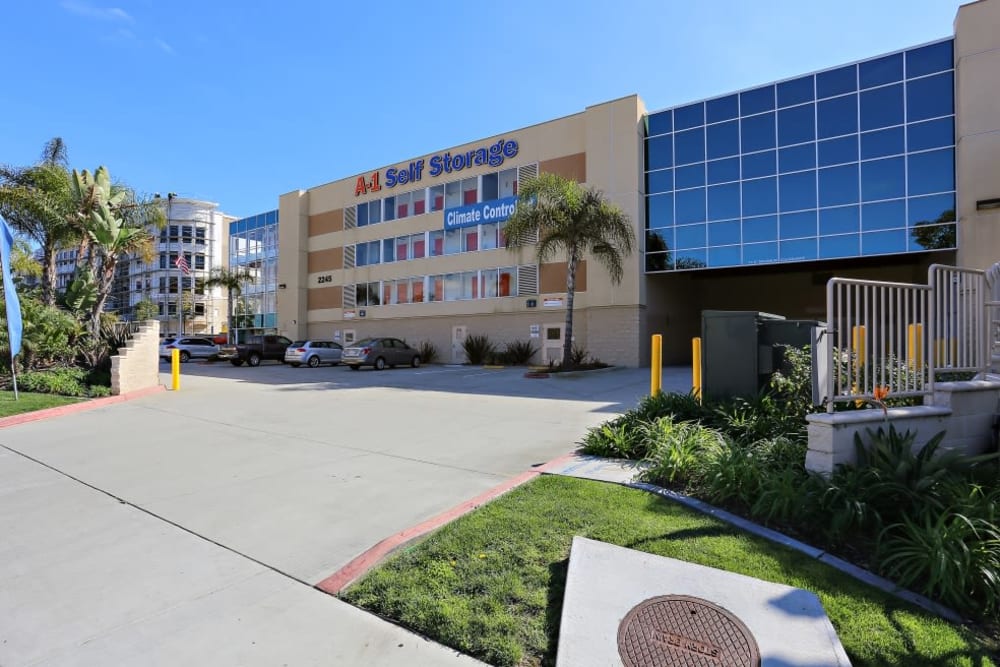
x=137, y=365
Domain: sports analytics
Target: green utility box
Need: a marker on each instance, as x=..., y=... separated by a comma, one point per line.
x=738, y=352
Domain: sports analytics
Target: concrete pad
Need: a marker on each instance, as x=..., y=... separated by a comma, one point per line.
x=619, y=471
x=605, y=582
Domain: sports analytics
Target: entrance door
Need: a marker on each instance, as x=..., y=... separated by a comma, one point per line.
x=552, y=343
x=458, y=334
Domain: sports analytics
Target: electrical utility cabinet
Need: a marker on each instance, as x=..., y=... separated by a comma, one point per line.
x=738, y=349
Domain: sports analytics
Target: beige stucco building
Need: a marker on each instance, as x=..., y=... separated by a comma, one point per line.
x=750, y=200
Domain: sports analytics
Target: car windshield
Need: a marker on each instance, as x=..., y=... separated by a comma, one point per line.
x=298, y=343
x=367, y=342
x=168, y=341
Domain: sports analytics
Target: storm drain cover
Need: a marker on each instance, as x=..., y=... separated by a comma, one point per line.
x=679, y=630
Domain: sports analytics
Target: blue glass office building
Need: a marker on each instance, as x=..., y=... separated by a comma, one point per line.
x=253, y=247
x=854, y=161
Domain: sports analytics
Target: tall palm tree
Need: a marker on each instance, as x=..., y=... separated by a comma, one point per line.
x=233, y=280
x=573, y=219
x=38, y=202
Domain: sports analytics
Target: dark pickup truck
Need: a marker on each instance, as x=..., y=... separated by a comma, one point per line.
x=255, y=350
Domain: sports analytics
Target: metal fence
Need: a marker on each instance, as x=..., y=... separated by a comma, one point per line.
x=900, y=337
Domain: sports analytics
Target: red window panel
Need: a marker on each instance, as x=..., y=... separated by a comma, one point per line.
x=439, y=246
x=504, y=284
x=418, y=207
x=401, y=293
x=402, y=210
x=475, y=288
x=515, y=188
x=438, y=289
x=438, y=202
x=418, y=249
x=418, y=292
x=470, y=196
x=401, y=251
x=472, y=241
x=386, y=293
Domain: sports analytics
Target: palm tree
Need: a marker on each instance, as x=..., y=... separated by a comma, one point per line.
x=38, y=202
x=233, y=280
x=577, y=220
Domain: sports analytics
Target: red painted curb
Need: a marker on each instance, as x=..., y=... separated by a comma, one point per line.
x=340, y=579
x=82, y=406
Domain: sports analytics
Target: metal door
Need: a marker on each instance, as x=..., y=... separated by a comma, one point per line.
x=552, y=343
x=458, y=334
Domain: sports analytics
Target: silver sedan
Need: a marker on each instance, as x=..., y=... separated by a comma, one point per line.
x=313, y=353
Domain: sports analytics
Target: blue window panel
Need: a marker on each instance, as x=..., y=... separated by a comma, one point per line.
x=388, y=210
x=882, y=143
x=388, y=250
x=722, y=108
x=760, y=229
x=690, y=206
x=660, y=123
x=659, y=211
x=883, y=179
x=657, y=240
x=838, y=185
x=844, y=245
x=660, y=181
x=660, y=152
x=883, y=215
x=689, y=146
x=757, y=101
x=796, y=91
x=798, y=250
x=929, y=172
x=723, y=233
x=930, y=97
x=760, y=253
x=756, y=165
x=838, y=151
x=657, y=261
x=361, y=254
x=882, y=107
x=723, y=139
x=362, y=215
x=881, y=71
x=760, y=197
x=837, y=82
x=272, y=218
x=374, y=211
x=839, y=220
x=797, y=158
x=931, y=134
x=929, y=59
x=689, y=177
x=723, y=171
x=491, y=188
x=933, y=209
x=797, y=225
x=725, y=256
x=882, y=243
x=932, y=237
x=692, y=115
x=837, y=116
x=757, y=132
x=691, y=259
x=797, y=125
x=797, y=191
x=724, y=201
x=691, y=236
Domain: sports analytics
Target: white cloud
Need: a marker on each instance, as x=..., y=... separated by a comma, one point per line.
x=102, y=13
x=164, y=46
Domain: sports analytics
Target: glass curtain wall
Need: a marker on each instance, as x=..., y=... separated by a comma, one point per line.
x=253, y=247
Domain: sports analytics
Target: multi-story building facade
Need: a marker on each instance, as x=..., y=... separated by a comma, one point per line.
x=253, y=249
x=749, y=200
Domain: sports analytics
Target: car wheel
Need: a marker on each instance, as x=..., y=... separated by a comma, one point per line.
x=185, y=356
x=296, y=365
x=415, y=362
x=355, y=367
x=380, y=364
x=236, y=362
x=254, y=359
x=313, y=361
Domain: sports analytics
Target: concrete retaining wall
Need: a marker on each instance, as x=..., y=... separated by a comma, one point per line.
x=137, y=365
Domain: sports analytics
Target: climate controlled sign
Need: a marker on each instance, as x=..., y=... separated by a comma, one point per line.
x=482, y=213
x=446, y=163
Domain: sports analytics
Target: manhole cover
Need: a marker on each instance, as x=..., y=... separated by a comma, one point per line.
x=687, y=631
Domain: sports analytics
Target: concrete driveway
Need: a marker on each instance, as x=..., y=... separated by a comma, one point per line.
x=190, y=526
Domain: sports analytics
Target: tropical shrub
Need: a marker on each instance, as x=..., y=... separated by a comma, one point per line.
x=479, y=349
x=428, y=352
x=515, y=353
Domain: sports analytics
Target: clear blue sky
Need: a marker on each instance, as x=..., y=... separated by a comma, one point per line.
x=239, y=102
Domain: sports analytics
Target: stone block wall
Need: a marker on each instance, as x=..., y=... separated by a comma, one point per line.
x=137, y=365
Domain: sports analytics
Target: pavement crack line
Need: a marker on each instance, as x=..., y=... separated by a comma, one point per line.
x=148, y=512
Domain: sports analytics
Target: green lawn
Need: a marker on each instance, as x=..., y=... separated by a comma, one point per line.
x=491, y=583
x=30, y=402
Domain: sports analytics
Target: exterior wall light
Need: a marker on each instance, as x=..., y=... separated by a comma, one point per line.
x=988, y=204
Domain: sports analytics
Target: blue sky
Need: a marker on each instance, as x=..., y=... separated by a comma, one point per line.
x=239, y=102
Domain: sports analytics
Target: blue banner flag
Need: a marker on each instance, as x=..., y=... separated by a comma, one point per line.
x=15, y=327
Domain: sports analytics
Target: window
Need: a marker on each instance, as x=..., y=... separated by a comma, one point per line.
x=199, y=236
x=881, y=71
x=470, y=191
x=797, y=225
x=837, y=116
x=883, y=179
x=417, y=290
x=199, y=262
x=757, y=132
x=930, y=97
x=929, y=59
x=402, y=248
x=659, y=211
x=452, y=241
x=417, y=245
x=389, y=250
x=882, y=143
x=375, y=212
x=507, y=281
x=452, y=286
x=690, y=176
x=798, y=191
x=187, y=232
x=797, y=124
x=760, y=196
x=882, y=107
x=760, y=229
x=489, y=283
x=797, y=158
x=491, y=187
x=389, y=209
x=723, y=139
x=931, y=172
x=883, y=215
x=403, y=205
x=838, y=185
x=361, y=215
x=659, y=152
x=437, y=197
x=470, y=239
x=795, y=92
x=689, y=116
x=388, y=293
x=418, y=201
x=724, y=201
x=931, y=134
x=837, y=82
x=436, y=240
x=452, y=194
x=724, y=171
x=838, y=151
x=722, y=108
x=508, y=183
x=660, y=181
x=757, y=101
x=691, y=236
x=658, y=123
x=690, y=206
x=402, y=291
x=756, y=165
x=689, y=146
x=724, y=233
x=839, y=220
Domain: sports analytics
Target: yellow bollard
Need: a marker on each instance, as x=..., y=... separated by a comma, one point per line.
x=175, y=369
x=858, y=340
x=696, y=367
x=656, y=366
x=915, y=345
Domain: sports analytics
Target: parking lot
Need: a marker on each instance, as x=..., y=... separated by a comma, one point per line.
x=203, y=516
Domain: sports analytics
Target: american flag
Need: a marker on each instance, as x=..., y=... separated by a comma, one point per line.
x=182, y=264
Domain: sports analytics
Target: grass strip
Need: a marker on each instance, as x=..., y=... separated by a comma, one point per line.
x=28, y=402
x=491, y=583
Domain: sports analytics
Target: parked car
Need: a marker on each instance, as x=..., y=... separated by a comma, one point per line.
x=190, y=348
x=379, y=353
x=255, y=350
x=313, y=353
